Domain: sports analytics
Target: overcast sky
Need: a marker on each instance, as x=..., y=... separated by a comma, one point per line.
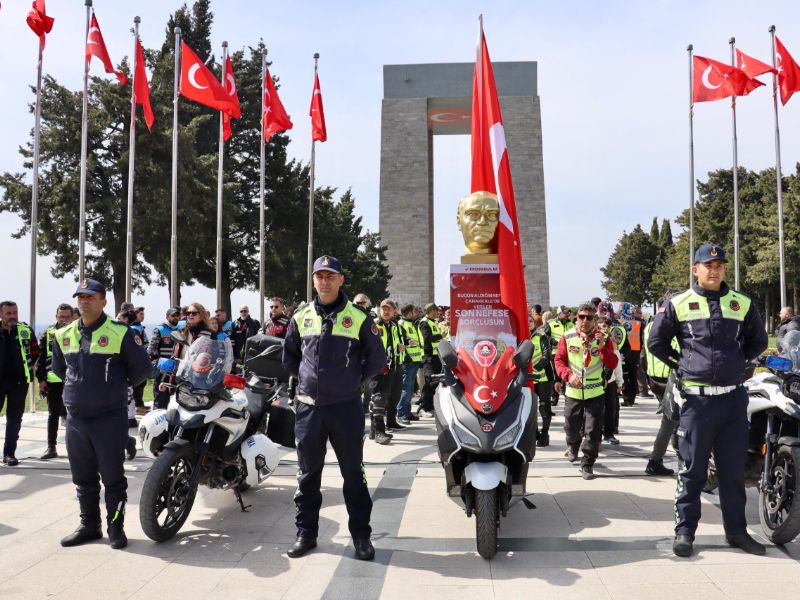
x=613, y=83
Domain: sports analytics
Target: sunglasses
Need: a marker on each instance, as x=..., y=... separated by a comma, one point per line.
x=274, y=306
x=191, y=313
x=587, y=317
x=243, y=312
x=362, y=303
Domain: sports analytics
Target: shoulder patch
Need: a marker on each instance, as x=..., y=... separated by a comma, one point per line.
x=136, y=339
x=65, y=341
x=694, y=306
x=374, y=329
x=347, y=322
x=734, y=305
x=103, y=341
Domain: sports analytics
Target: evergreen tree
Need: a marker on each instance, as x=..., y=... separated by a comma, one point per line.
x=629, y=271
x=654, y=231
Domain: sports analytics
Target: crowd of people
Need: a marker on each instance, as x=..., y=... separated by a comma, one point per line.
x=343, y=353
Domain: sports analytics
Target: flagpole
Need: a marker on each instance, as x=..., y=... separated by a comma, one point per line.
x=732, y=42
x=261, y=219
x=689, y=49
x=84, y=135
x=310, y=261
x=37, y=119
x=131, y=160
x=219, y=182
x=778, y=176
x=173, y=278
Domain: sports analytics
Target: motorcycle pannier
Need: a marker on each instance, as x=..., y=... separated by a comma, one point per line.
x=280, y=426
x=262, y=356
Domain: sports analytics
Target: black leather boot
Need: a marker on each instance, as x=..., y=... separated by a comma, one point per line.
x=51, y=453
x=116, y=528
x=381, y=437
x=86, y=532
x=301, y=546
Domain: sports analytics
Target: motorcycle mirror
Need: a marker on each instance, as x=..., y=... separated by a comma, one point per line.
x=178, y=336
x=447, y=354
x=523, y=355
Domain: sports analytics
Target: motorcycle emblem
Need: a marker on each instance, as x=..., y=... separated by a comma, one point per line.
x=594, y=351
x=23, y=334
x=485, y=353
x=487, y=426
x=103, y=341
x=735, y=305
x=487, y=408
x=347, y=322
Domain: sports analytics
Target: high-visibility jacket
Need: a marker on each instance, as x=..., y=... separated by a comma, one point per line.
x=49, y=338
x=541, y=349
x=591, y=375
x=431, y=335
x=634, y=330
x=29, y=349
x=558, y=328
x=654, y=366
x=391, y=340
x=413, y=340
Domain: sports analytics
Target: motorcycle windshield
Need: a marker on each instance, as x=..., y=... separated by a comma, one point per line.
x=790, y=348
x=206, y=363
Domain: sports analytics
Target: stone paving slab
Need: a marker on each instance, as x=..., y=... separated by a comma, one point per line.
x=603, y=539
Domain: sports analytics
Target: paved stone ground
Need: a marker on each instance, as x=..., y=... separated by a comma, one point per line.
x=607, y=538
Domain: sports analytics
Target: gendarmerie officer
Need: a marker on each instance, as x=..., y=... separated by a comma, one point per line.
x=98, y=359
x=718, y=330
x=331, y=346
x=162, y=345
x=51, y=384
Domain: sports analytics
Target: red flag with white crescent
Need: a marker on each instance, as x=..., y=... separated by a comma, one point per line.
x=96, y=46
x=491, y=172
x=714, y=80
x=39, y=22
x=318, y=131
x=141, y=89
x=752, y=66
x=229, y=83
x=274, y=115
x=788, y=72
x=198, y=83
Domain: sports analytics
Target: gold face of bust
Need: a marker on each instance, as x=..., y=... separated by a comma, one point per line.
x=478, y=215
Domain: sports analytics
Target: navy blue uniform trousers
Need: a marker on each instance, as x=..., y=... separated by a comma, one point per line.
x=343, y=424
x=718, y=424
x=96, y=449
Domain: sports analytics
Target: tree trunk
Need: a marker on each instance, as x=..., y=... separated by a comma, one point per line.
x=767, y=310
x=118, y=289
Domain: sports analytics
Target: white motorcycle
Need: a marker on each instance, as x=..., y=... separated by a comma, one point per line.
x=207, y=435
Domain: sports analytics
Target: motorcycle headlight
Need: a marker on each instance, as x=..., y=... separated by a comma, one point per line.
x=193, y=401
x=466, y=438
x=507, y=438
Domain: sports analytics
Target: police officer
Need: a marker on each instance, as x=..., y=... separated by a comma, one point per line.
x=411, y=363
x=162, y=345
x=98, y=359
x=50, y=384
x=581, y=357
x=331, y=346
x=718, y=331
x=542, y=382
x=19, y=351
x=431, y=363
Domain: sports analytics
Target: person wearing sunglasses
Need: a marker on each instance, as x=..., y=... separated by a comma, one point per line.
x=581, y=356
x=278, y=321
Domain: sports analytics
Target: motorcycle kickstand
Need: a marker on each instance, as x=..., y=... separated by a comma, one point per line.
x=239, y=499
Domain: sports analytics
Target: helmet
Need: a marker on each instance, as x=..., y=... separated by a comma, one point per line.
x=260, y=456
x=153, y=432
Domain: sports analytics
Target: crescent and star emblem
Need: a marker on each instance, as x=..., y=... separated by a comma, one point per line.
x=477, y=393
x=706, y=82
x=232, y=84
x=192, y=73
x=89, y=39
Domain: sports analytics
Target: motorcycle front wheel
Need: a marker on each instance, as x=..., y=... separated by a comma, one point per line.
x=486, y=522
x=778, y=509
x=167, y=496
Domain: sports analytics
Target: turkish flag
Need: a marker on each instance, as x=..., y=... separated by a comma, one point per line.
x=96, y=46
x=199, y=84
x=141, y=90
x=318, y=131
x=39, y=21
x=751, y=66
x=229, y=83
x=714, y=80
x=274, y=115
x=491, y=172
x=788, y=72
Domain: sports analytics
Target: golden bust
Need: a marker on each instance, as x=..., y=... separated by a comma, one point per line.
x=478, y=215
